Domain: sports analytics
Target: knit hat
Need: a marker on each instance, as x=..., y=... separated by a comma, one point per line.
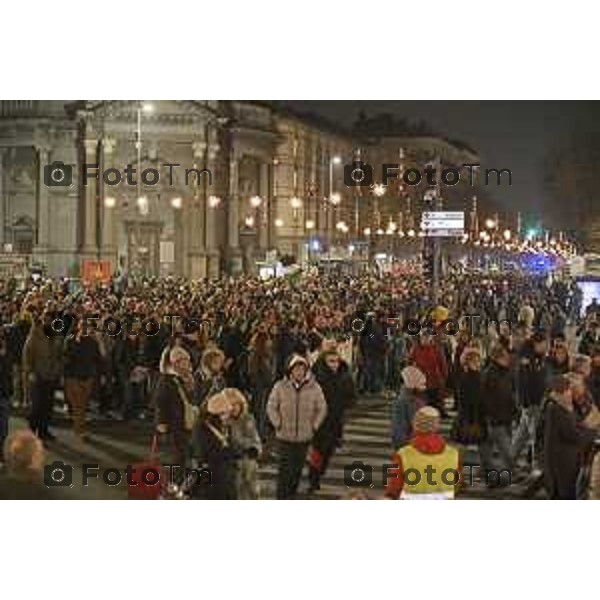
x=297, y=360
x=413, y=378
x=427, y=420
x=179, y=362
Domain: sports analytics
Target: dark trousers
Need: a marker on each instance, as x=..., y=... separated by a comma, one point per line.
x=42, y=401
x=292, y=456
x=326, y=449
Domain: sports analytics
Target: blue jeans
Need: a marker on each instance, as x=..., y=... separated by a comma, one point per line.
x=526, y=431
x=497, y=438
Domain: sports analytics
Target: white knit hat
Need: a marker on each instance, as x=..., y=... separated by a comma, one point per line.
x=414, y=379
x=297, y=359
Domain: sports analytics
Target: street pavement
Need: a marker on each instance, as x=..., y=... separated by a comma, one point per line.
x=114, y=444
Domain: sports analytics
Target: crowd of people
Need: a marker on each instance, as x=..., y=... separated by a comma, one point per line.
x=229, y=370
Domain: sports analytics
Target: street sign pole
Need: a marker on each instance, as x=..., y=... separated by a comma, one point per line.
x=437, y=241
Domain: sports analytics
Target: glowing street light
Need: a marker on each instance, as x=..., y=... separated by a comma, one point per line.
x=507, y=234
x=379, y=189
x=490, y=223
x=249, y=221
x=110, y=202
x=177, y=203
x=310, y=224
x=335, y=199
x=296, y=203
x=142, y=204
x=278, y=223
x=367, y=231
x=214, y=201
x=255, y=201
x=148, y=108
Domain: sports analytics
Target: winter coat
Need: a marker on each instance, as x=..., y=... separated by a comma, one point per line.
x=212, y=443
x=430, y=359
x=152, y=348
x=533, y=376
x=340, y=394
x=563, y=446
x=404, y=407
x=206, y=385
x=469, y=396
x=43, y=355
x=169, y=404
x=82, y=358
x=498, y=402
x=244, y=436
x=296, y=412
x=126, y=356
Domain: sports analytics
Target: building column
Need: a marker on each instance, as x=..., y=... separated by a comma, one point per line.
x=274, y=203
x=43, y=225
x=90, y=205
x=213, y=255
x=195, y=219
x=265, y=209
x=108, y=220
x=233, y=216
x=2, y=198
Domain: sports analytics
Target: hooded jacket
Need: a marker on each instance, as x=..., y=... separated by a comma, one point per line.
x=404, y=407
x=296, y=412
x=430, y=359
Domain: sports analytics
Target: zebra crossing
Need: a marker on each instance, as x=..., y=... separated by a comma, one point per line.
x=367, y=439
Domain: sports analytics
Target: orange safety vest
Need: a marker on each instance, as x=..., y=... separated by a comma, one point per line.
x=416, y=485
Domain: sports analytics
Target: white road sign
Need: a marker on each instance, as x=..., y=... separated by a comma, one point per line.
x=443, y=223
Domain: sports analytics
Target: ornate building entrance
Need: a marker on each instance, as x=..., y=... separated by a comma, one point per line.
x=143, y=248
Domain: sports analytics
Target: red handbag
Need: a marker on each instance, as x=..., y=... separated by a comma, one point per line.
x=147, y=477
x=315, y=459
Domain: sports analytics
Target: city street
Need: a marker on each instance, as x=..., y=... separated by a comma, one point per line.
x=367, y=439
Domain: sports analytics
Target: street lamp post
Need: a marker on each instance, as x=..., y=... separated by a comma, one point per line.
x=334, y=200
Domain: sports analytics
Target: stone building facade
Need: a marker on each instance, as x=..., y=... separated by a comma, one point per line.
x=273, y=175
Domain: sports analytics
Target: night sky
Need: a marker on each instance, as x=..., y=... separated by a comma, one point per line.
x=507, y=134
